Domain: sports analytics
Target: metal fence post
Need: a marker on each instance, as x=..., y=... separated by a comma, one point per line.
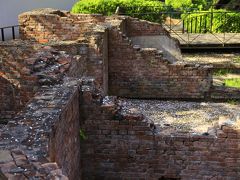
x=2, y=34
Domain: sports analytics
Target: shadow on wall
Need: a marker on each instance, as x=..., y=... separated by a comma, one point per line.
x=10, y=102
x=17, y=85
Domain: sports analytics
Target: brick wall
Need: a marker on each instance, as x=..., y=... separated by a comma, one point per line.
x=136, y=27
x=17, y=83
x=124, y=145
x=8, y=101
x=64, y=142
x=120, y=143
x=43, y=141
x=77, y=34
x=145, y=73
x=44, y=25
x=153, y=35
x=133, y=71
x=25, y=67
x=91, y=56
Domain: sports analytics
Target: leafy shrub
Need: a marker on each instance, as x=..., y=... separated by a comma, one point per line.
x=144, y=9
x=188, y=4
x=179, y=4
x=216, y=21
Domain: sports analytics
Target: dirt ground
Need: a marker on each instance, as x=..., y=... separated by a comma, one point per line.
x=184, y=116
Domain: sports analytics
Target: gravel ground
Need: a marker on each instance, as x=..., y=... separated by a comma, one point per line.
x=219, y=58
x=183, y=116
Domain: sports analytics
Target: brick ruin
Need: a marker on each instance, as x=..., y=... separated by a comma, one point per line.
x=55, y=84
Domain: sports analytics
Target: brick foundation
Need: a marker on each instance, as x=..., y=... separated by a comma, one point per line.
x=17, y=83
x=126, y=146
x=133, y=71
x=46, y=25
x=145, y=73
x=24, y=68
x=46, y=141
x=63, y=93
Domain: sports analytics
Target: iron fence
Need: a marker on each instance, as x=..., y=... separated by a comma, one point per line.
x=200, y=27
x=204, y=27
x=5, y=34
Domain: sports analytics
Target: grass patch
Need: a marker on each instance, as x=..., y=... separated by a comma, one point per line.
x=232, y=82
x=236, y=59
x=222, y=72
x=233, y=102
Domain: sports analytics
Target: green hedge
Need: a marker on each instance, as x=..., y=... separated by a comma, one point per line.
x=144, y=9
x=216, y=21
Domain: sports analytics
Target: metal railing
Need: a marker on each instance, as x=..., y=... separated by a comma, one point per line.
x=203, y=22
x=13, y=32
x=193, y=27
x=215, y=27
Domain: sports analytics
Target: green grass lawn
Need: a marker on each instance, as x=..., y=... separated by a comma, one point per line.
x=232, y=82
x=236, y=59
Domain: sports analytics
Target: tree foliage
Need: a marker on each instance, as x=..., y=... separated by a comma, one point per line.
x=144, y=9
x=189, y=4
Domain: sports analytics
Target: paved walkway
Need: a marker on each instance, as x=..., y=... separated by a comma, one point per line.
x=228, y=39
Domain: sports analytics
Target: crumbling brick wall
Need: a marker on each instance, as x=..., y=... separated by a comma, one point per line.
x=125, y=145
x=59, y=28
x=120, y=142
x=17, y=83
x=25, y=66
x=153, y=35
x=8, y=101
x=144, y=72
x=136, y=27
x=133, y=71
x=64, y=142
x=43, y=141
x=46, y=25
x=91, y=57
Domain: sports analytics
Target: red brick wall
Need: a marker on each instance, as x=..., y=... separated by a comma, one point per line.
x=125, y=146
x=46, y=136
x=17, y=84
x=8, y=103
x=136, y=27
x=91, y=57
x=120, y=143
x=144, y=73
x=24, y=68
x=56, y=27
x=53, y=25
x=132, y=73
x=64, y=143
